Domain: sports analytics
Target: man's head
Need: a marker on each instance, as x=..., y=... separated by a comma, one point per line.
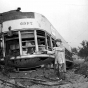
x=58, y=41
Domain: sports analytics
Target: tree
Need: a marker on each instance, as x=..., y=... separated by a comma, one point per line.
x=83, y=52
x=74, y=50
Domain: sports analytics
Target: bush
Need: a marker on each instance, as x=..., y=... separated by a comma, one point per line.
x=82, y=69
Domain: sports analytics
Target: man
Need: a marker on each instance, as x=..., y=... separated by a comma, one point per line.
x=60, y=63
x=60, y=58
x=30, y=49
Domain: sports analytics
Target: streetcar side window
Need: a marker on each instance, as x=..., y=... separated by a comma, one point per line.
x=49, y=42
x=41, y=40
x=28, y=42
x=1, y=52
x=68, y=54
x=53, y=43
x=12, y=44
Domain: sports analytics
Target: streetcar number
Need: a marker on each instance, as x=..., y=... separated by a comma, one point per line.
x=26, y=23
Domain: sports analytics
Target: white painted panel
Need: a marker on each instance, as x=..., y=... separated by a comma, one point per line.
x=43, y=22
x=20, y=24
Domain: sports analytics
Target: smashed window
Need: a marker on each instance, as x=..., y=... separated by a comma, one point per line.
x=28, y=42
x=1, y=48
x=41, y=40
x=68, y=54
x=53, y=43
x=49, y=42
x=12, y=44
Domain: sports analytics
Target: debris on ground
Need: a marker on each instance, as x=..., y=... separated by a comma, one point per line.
x=44, y=78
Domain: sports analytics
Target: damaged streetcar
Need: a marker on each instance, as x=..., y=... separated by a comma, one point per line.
x=24, y=36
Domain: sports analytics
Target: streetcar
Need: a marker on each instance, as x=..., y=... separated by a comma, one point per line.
x=24, y=36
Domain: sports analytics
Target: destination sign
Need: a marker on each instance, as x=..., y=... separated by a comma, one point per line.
x=26, y=23
x=20, y=24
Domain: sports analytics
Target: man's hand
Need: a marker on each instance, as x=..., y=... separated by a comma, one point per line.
x=50, y=52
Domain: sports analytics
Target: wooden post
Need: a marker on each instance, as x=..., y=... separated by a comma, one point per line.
x=36, y=42
x=20, y=42
x=3, y=43
x=46, y=41
x=51, y=42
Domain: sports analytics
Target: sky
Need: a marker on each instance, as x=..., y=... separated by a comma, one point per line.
x=69, y=17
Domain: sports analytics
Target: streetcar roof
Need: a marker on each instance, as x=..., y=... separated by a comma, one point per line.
x=42, y=23
x=12, y=15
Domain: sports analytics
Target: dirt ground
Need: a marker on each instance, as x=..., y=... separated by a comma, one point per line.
x=43, y=78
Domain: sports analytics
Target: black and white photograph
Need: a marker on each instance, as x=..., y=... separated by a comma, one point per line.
x=43, y=43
